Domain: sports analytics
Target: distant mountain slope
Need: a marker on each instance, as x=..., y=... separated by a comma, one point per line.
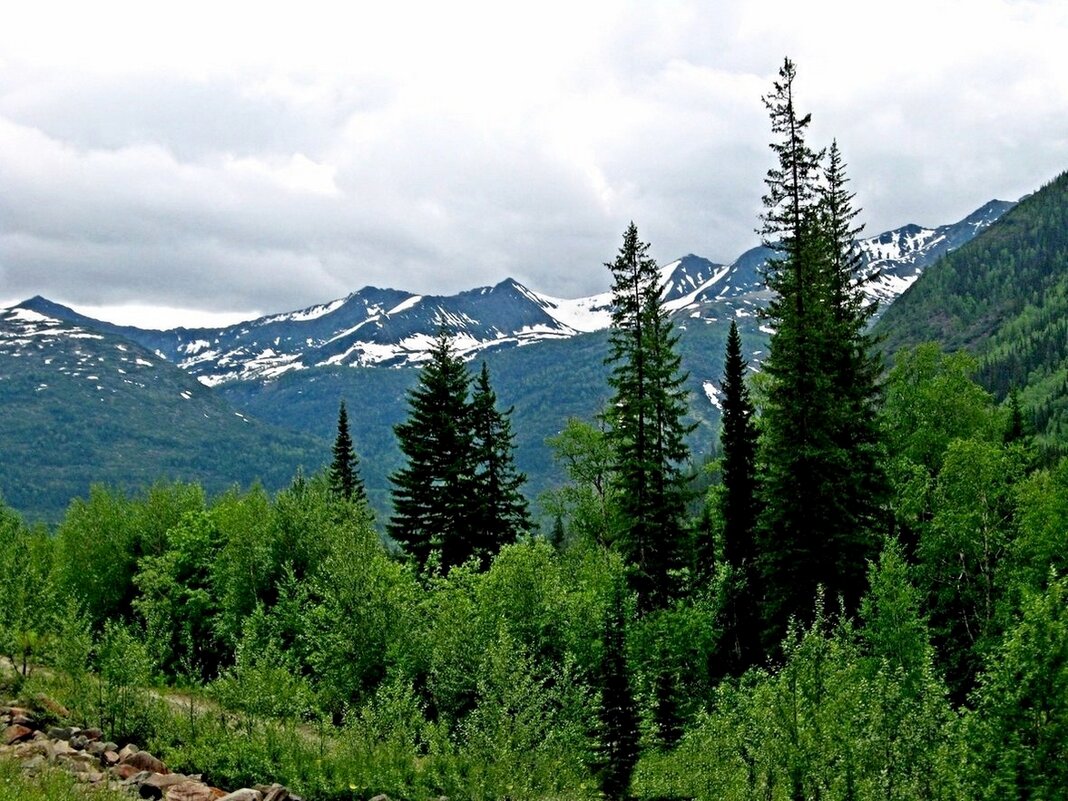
x=1004, y=296
x=389, y=328
x=546, y=385
x=83, y=406
x=289, y=370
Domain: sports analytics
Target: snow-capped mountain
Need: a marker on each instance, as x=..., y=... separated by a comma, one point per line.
x=389, y=327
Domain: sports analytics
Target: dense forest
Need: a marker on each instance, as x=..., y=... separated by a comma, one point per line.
x=868, y=601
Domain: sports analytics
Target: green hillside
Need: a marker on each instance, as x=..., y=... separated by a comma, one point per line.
x=1004, y=297
x=546, y=384
x=81, y=408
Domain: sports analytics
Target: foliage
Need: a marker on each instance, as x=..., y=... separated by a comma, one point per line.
x=645, y=424
x=1019, y=728
x=345, y=468
x=738, y=510
x=821, y=481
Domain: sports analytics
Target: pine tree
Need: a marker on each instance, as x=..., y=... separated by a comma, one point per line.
x=645, y=418
x=820, y=484
x=433, y=493
x=501, y=514
x=617, y=741
x=738, y=439
x=345, y=470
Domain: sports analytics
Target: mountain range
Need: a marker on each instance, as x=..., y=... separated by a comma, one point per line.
x=258, y=398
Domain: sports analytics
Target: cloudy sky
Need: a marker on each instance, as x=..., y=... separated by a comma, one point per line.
x=195, y=162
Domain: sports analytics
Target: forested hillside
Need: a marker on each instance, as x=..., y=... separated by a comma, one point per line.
x=1003, y=297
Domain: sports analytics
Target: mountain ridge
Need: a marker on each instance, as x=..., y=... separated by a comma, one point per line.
x=390, y=327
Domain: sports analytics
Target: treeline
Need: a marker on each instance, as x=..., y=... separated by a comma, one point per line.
x=869, y=602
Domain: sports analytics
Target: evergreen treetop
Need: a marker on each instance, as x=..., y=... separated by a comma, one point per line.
x=645, y=422
x=345, y=469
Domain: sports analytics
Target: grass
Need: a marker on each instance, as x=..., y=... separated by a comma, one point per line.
x=50, y=785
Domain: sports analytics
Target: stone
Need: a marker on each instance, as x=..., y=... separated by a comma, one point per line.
x=273, y=792
x=60, y=747
x=244, y=794
x=128, y=749
x=78, y=762
x=33, y=748
x=189, y=791
x=60, y=732
x=92, y=735
x=34, y=765
x=24, y=720
x=153, y=785
x=96, y=748
x=125, y=772
x=382, y=797
x=109, y=758
x=142, y=760
x=79, y=742
x=15, y=734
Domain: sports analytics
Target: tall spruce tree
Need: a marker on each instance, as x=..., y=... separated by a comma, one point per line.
x=645, y=419
x=819, y=497
x=501, y=514
x=617, y=715
x=345, y=469
x=433, y=493
x=856, y=366
x=738, y=510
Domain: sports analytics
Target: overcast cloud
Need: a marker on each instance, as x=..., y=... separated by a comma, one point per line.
x=242, y=158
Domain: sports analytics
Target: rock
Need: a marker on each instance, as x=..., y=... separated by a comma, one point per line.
x=59, y=748
x=142, y=760
x=78, y=762
x=273, y=792
x=109, y=758
x=92, y=735
x=60, y=732
x=34, y=765
x=125, y=772
x=79, y=742
x=24, y=720
x=126, y=750
x=244, y=794
x=96, y=748
x=15, y=734
x=189, y=791
x=34, y=748
x=382, y=797
x=153, y=785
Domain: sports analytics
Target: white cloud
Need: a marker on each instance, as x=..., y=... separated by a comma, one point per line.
x=243, y=156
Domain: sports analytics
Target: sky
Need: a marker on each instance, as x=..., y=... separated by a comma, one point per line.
x=198, y=163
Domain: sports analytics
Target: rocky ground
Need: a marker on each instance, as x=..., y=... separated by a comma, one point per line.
x=90, y=759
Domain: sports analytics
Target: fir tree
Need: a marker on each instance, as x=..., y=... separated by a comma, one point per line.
x=820, y=484
x=738, y=439
x=617, y=741
x=501, y=514
x=433, y=493
x=645, y=418
x=345, y=469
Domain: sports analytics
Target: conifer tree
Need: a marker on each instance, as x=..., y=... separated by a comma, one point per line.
x=501, y=512
x=820, y=485
x=645, y=418
x=345, y=469
x=433, y=492
x=617, y=741
x=738, y=439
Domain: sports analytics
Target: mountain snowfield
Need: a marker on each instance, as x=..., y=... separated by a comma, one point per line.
x=389, y=328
